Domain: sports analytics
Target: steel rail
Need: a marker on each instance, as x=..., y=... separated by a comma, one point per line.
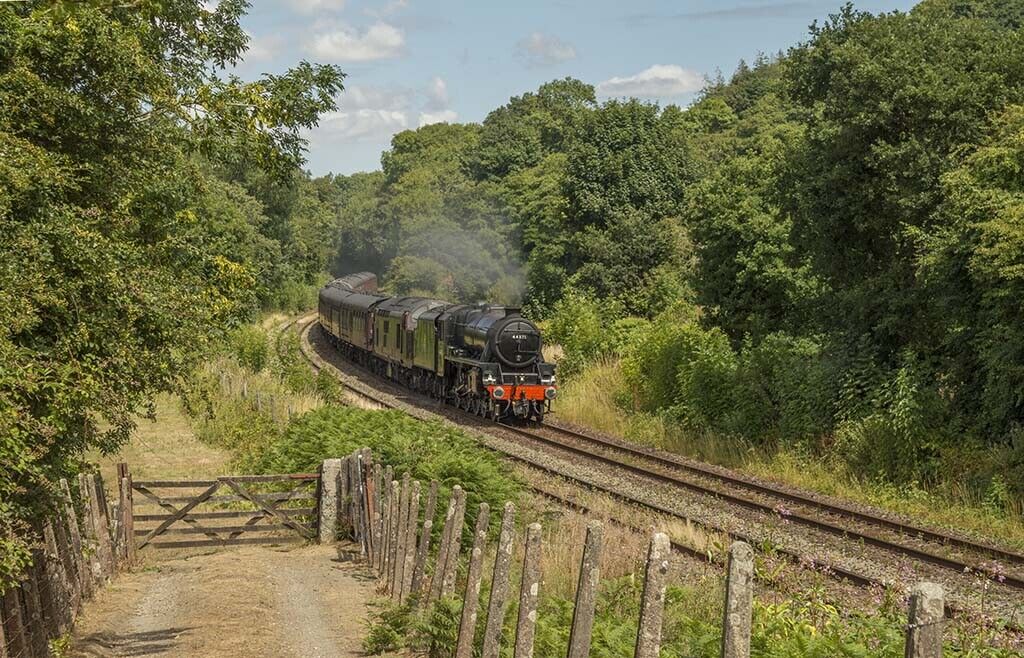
x=858, y=579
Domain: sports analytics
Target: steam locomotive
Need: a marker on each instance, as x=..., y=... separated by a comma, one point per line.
x=483, y=358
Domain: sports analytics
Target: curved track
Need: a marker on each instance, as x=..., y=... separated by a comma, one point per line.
x=902, y=538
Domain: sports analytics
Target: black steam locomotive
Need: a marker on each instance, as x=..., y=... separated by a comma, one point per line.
x=483, y=358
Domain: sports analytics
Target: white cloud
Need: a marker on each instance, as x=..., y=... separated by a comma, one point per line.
x=388, y=9
x=359, y=124
x=444, y=116
x=541, y=49
x=437, y=94
x=311, y=6
x=347, y=44
x=656, y=81
x=262, y=49
x=368, y=97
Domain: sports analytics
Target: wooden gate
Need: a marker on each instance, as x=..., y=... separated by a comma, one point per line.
x=250, y=509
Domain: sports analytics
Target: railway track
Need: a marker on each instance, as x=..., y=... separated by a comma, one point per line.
x=945, y=551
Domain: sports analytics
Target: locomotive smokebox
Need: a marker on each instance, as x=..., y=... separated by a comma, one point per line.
x=503, y=333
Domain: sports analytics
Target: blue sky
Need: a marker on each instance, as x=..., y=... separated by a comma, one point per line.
x=412, y=62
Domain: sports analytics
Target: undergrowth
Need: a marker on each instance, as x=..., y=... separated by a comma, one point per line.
x=596, y=398
x=259, y=400
x=801, y=627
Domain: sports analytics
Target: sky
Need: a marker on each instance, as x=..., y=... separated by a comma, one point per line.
x=413, y=62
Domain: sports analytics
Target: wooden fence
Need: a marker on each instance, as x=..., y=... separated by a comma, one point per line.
x=77, y=556
x=368, y=503
x=391, y=519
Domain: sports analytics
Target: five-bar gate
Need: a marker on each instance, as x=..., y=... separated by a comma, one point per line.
x=225, y=511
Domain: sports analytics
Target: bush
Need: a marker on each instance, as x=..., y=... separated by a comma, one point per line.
x=426, y=450
x=784, y=390
x=250, y=347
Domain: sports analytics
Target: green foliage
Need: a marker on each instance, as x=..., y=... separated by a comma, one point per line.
x=425, y=450
x=387, y=628
x=122, y=255
x=249, y=346
x=438, y=632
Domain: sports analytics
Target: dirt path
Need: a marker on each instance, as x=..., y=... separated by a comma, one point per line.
x=304, y=602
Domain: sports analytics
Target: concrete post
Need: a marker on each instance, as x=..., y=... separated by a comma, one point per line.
x=451, y=565
x=65, y=554
x=376, y=500
x=330, y=482
x=927, y=616
x=652, y=604
x=411, y=525
x=398, y=572
x=586, y=593
x=442, y=551
x=471, y=599
x=385, y=526
x=396, y=515
x=423, y=548
x=57, y=580
x=448, y=553
x=104, y=547
x=94, y=567
x=739, y=601
x=14, y=622
x=529, y=594
x=499, y=584
x=40, y=627
x=77, y=556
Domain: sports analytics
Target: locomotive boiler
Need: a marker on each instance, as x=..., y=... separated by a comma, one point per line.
x=484, y=358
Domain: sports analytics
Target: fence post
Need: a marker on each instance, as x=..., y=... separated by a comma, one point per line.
x=396, y=514
x=471, y=599
x=14, y=622
x=104, y=548
x=452, y=526
x=3, y=633
x=652, y=604
x=451, y=563
x=91, y=543
x=400, y=527
x=739, y=601
x=64, y=553
x=369, y=503
x=586, y=593
x=499, y=584
x=365, y=515
x=330, y=480
x=40, y=627
x=71, y=517
x=385, y=529
x=128, y=519
x=411, y=524
x=378, y=514
x=105, y=523
x=925, y=621
x=57, y=581
x=423, y=547
x=529, y=594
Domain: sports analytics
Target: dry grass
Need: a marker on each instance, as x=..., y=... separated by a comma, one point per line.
x=164, y=448
x=589, y=400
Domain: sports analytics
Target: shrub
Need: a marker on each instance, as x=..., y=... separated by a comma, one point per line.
x=783, y=390
x=250, y=347
x=426, y=450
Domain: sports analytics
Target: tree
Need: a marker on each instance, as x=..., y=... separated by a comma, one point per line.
x=117, y=257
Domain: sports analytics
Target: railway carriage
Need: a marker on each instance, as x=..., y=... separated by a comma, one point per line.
x=483, y=358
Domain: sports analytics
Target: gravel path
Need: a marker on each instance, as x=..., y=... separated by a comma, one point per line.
x=304, y=602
